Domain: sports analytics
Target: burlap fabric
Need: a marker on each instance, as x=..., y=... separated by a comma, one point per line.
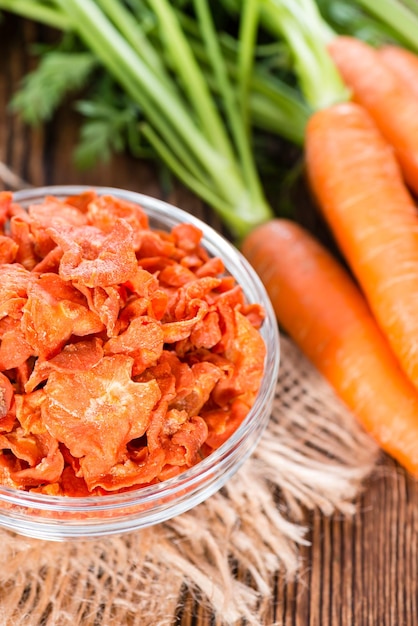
x=313, y=455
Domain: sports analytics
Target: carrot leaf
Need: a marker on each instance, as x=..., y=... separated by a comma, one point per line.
x=43, y=90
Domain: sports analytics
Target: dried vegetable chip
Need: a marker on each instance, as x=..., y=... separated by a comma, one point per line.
x=21, y=234
x=106, y=302
x=74, y=357
x=82, y=201
x=127, y=354
x=7, y=417
x=8, y=249
x=104, y=211
x=143, y=340
x=14, y=349
x=36, y=459
x=53, y=212
x=108, y=410
x=93, y=258
x=54, y=311
x=14, y=283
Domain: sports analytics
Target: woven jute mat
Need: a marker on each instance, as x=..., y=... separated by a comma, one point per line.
x=313, y=456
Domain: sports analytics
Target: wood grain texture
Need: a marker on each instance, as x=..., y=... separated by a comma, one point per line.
x=356, y=572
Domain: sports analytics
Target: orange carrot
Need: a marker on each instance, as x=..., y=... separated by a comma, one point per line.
x=359, y=188
x=404, y=63
x=385, y=95
x=319, y=305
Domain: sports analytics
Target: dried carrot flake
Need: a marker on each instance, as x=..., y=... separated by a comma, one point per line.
x=6, y=395
x=94, y=258
x=8, y=249
x=108, y=410
x=56, y=310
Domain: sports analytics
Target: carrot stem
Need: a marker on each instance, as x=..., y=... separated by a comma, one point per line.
x=398, y=16
x=50, y=16
x=234, y=181
x=245, y=61
x=307, y=34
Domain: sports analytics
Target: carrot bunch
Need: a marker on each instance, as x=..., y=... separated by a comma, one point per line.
x=360, y=330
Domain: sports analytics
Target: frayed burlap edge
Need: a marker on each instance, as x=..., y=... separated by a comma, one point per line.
x=313, y=456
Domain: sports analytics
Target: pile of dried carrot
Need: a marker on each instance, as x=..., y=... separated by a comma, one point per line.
x=127, y=354
x=362, y=167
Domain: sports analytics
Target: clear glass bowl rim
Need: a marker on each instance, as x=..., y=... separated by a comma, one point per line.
x=216, y=245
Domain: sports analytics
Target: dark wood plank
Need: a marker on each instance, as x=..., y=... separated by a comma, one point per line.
x=357, y=572
x=361, y=571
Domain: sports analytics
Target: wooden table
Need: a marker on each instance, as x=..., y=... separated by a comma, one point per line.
x=358, y=572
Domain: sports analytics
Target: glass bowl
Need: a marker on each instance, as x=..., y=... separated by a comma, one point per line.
x=59, y=518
